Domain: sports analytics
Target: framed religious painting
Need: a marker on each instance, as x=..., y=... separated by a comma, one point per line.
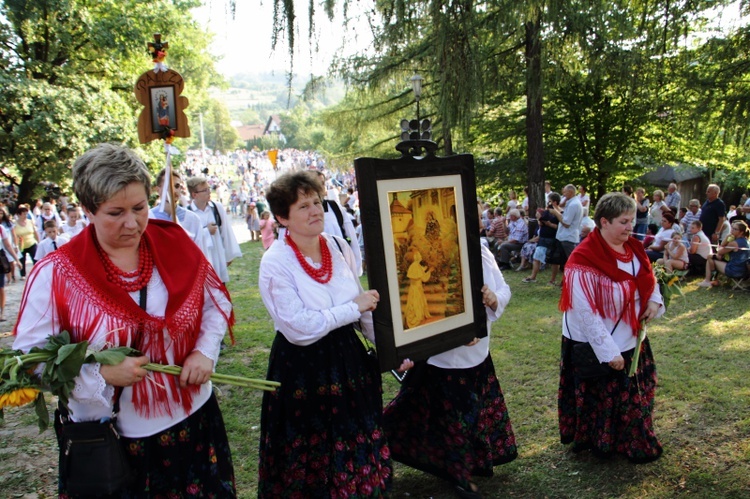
x=163, y=113
x=421, y=232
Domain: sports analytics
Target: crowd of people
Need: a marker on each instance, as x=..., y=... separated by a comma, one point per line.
x=103, y=272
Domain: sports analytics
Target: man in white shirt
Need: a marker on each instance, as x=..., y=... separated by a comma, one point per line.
x=672, y=199
x=216, y=227
x=568, y=229
x=185, y=218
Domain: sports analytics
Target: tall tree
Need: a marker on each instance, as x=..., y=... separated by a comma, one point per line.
x=67, y=69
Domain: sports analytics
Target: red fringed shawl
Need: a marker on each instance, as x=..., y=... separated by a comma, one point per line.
x=599, y=275
x=85, y=301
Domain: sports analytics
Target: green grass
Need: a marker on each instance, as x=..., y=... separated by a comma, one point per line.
x=702, y=351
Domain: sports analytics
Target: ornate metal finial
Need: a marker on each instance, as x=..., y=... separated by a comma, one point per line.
x=416, y=138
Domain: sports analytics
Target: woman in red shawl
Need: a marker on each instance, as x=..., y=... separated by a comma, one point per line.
x=608, y=290
x=130, y=281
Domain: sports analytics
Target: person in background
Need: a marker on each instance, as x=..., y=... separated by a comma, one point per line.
x=118, y=283
x=547, y=231
x=650, y=236
x=73, y=225
x=221, y=242
x=656, y=249
x=699, y=249
x=253, y=222
x=713, y=213
x=673, y=198
x=267, y=235
x=321, y=432
x=51, y=242
x=608, y=291
x=518, y=234
x=658, y=207
x=693, y=213
x=337, y=221
x=185, y=218
x=10, y=250
x=739, y=253
x=47, y=212
x=641, y=214
x=675, y=252
x=568, y=230
x=27, y=236
x=10, y=231
x=449, y=417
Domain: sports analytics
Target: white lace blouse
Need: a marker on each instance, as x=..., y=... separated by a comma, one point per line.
x=92, y=396
x=464, y=357
x=302, y=309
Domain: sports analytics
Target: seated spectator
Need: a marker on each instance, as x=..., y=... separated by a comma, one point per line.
x=675, y=253
x=648, y=239
x=527, y=252
x=725, y=232
x=547, y=231
x=662, y=237
x=497, y=231
x=699, y=249
x=518, y=234
x=739, y=253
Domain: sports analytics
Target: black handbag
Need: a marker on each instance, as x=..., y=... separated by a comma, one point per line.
x=93, y=460
x=586, y=364
x=4, y=262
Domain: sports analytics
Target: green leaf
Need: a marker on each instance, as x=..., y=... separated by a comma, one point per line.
x=111, y=356
x=40, y=407
x=69, y=360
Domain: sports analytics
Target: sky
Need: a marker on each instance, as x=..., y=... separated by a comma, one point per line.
x=245, y=41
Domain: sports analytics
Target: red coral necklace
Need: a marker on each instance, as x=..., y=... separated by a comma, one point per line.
x=325, y=272
x=123, y=279
x=624, y=257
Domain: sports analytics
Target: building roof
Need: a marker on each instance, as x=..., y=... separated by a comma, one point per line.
x=250, y=132
x=664, y=175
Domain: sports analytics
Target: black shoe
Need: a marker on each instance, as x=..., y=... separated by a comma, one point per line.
x=504, y=266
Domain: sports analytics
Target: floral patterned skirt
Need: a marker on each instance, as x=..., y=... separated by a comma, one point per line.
x=609, y=414
x=321, y=431
x=188, y=460
x=451, y=423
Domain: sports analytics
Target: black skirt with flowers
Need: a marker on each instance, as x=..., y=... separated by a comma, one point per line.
x=451, y=423
x=321, y=431
x=610, y=414
x=188, y=460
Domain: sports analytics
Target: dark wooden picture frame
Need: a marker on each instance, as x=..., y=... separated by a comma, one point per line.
x=411, y=206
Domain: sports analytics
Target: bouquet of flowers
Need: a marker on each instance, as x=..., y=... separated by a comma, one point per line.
x=669, y=286
x=23, y=379
x=669, y=283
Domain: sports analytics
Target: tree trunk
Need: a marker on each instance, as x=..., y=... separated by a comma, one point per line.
x=448, y=141
x=534, y=140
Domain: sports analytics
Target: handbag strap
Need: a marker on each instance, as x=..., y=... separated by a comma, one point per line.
x=64, y=414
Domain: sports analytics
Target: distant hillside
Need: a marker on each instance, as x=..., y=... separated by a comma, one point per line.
x=252, y=98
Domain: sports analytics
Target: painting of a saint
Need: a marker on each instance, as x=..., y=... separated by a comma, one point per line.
x=162, y=109
x=425, y=232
